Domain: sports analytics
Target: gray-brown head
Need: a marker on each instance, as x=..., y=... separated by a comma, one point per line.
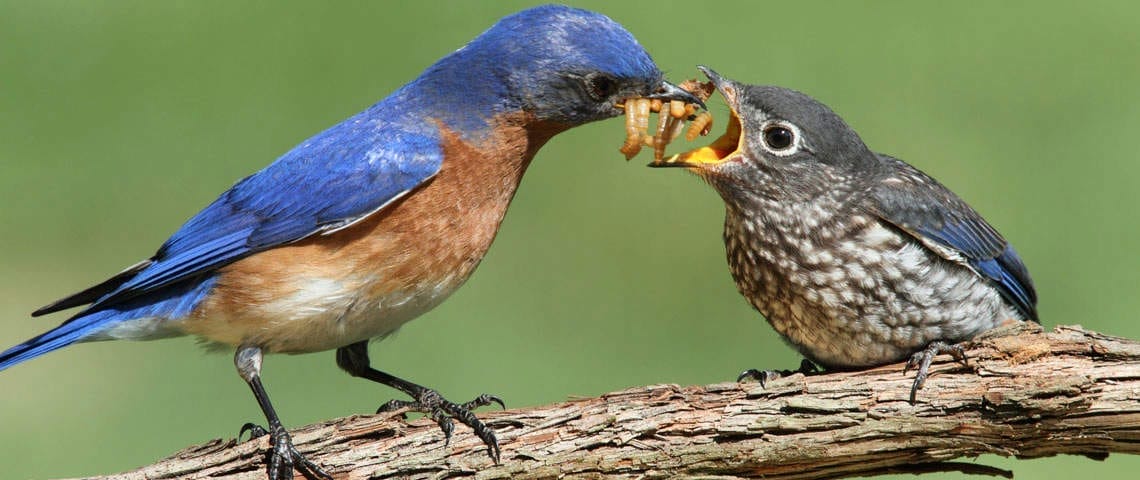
x=781, y=145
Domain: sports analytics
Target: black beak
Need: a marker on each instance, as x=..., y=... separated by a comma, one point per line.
x=726, y=87
x=715, y=77
x=668, y=91
x=656, y=164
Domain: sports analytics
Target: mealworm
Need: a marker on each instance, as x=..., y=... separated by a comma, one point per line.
x=641, y=114
x=676, y=126
x=677, y=109
x=632, y=143
x=671, y=119
x=660, y=140
x=699, y=126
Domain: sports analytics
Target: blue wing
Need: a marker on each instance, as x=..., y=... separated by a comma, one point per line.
x=928, y=211
x=332, y=180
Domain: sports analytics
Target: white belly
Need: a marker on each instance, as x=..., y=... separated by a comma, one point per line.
x=327, y=314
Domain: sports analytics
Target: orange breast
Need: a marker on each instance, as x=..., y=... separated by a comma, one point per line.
x=368, y=279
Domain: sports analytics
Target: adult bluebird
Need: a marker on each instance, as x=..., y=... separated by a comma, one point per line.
x=856, y=258
x=373, y=221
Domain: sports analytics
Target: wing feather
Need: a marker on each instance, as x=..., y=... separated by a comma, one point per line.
x=332, y=180
x=932, y=214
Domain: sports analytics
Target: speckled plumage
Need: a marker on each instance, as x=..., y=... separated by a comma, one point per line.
x=847, y=289
x=856, y=258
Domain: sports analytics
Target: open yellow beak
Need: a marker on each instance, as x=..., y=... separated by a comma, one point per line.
x=720, y=150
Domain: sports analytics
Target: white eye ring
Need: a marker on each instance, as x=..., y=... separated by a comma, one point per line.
x=780, y=138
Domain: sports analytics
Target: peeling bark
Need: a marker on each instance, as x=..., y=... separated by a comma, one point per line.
x=1025, y=394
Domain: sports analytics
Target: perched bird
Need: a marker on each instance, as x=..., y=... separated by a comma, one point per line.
x=856, y=258
x=373, y=221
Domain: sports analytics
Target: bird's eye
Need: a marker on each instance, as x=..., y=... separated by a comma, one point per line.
x=779, y=137
x=600, y=86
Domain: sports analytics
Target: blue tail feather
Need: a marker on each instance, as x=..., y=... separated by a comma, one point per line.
x=172, y=302
x=55, y=339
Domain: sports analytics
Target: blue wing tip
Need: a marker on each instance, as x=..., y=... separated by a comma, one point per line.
x=1011, y=277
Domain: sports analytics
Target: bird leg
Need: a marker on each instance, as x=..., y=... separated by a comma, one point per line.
x=765, y=376
x=922, y=359
x=283, y=457
x=354, y=360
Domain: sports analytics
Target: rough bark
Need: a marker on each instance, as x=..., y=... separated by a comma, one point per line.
x=1025, y=393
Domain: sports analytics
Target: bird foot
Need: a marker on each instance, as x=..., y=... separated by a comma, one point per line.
x=922, y=359
x=283, y=457
x=765, y=376
x=430, y=403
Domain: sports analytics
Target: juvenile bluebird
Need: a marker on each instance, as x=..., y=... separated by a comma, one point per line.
x=373, y=221
x=856, y=258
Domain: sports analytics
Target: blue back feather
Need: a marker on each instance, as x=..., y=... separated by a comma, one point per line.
x=334, y=178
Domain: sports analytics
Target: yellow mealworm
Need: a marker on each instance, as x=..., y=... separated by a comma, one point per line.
x=631, y=147
x=699, y=126
x=671, y=121
x=660, y=140
x=676, y=126
x=630, y=119
x=641, y=114
x=632, y=135
x=677, y=109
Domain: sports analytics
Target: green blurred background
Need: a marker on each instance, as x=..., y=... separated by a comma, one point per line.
x=119, y=120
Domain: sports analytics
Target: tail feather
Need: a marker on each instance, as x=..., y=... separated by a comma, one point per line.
x=70, y=332
x=127, y=320
x=94, y=292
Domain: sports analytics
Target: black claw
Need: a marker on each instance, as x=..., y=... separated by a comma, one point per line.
x=761, y=376
x=764, y=376
x=488, y=437
x=445, y=423
x=354, y=360
x=284, y=458
x=255, y=431
x=922, y=359
x=959, y=353
x=393, y=405
x=807, y=367
x=482, y=401
x=467, y=417
x=445, y=413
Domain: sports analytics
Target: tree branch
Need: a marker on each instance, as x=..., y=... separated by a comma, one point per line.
x=1026, y=394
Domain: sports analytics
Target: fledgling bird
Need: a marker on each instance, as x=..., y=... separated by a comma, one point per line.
x=856, y=258
x=373, y=221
